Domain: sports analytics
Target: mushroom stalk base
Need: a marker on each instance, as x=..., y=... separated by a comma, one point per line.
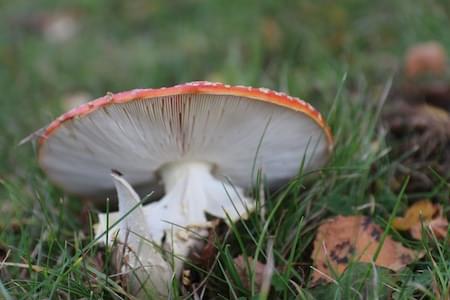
x=177, y=223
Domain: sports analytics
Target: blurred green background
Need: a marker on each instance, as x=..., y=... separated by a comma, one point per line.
x=51, y=51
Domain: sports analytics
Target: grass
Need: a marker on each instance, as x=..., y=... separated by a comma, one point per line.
x=340, y=57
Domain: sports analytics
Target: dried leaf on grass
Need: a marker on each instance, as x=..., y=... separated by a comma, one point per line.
x=421, y=210
x=438, y=226
x=342, y=240
x=423, y=213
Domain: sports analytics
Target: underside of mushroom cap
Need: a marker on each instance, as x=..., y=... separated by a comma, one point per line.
x=235, y=129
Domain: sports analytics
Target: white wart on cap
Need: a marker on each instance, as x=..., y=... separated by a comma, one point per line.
x=201, y=140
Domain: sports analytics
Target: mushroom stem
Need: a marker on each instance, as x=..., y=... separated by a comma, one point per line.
x=192, y=191
x=177, y=222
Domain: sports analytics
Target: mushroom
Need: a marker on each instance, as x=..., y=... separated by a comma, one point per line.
x=200, y=142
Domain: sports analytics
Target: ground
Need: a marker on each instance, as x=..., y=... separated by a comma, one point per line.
x=344, y=58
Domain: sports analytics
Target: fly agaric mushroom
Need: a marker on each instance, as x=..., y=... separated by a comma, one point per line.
x=200, y=140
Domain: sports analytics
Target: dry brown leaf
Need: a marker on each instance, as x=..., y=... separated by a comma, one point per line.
x=205, y=256
x=421, y=210
x=342, y=239
x=425, y=58
x=241, y=268
x=423, y=213
x=439, y=226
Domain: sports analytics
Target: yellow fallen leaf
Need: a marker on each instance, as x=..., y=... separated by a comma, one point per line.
x=421, y=210
x=426, y=214
x=341, y=240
